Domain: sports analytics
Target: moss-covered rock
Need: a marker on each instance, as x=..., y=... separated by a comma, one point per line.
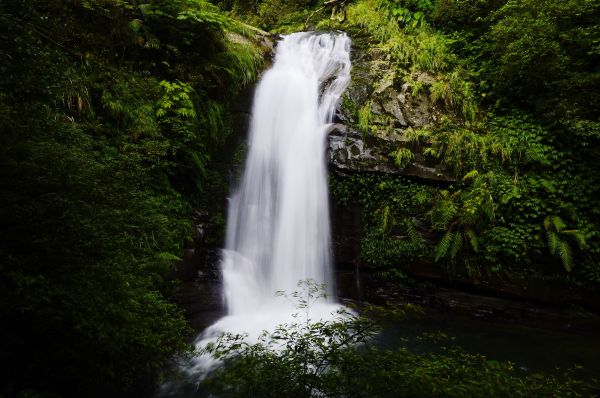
x=376, y=112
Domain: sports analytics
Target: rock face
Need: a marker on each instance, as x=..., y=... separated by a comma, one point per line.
x=350, y=151
x=391, y=107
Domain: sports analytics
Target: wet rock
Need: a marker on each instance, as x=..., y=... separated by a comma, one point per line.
x=351, y=151
x=493, y=306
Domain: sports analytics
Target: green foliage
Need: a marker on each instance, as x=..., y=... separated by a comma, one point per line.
x=557, y=234
x=280, y=16
x=340, y=358
x=402, y=157
x=88, y=272
x=296, y=358
x=241, y=61
x=400, y=29
x=176, y=99
x=421, y=50
x=513, y=140
x=111, y=116
x=411, y=13
x=547, y=47
x=364, y=119
x=456, y=93
x=463, y=214
x=394, y=211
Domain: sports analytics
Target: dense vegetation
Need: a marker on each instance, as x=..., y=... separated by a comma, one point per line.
x=115, y=116
x=112, y=114
x=521, y=138
x=519, y=83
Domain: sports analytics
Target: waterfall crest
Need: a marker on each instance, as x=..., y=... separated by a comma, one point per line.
x=278, y=230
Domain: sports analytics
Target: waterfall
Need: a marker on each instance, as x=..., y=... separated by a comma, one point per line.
x=278, y=230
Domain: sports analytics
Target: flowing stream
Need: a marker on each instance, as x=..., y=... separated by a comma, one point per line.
x=278, y=230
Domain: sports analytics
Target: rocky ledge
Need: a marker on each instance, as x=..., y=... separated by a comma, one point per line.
x=348, y=150
x=386, y=106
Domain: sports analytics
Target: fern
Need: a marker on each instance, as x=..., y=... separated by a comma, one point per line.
x=211, y=19
x=412, y=232
x=240, y=61
x=462, y=214
x=557, y=240
x=456, y=244
x=472, y=238
x=498, y=141
x=444, y=211
x=212, y=119
x=578, y=236
x=444, y=245
x=167, y=257
x=557, y=223
x=402, y=157
x=419, y=136
x=553, y=242
x=471, y=175
x=566, y=256
x=421, y=197
x=456, y=94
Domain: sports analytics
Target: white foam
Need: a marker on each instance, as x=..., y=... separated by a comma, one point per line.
x=278, y=230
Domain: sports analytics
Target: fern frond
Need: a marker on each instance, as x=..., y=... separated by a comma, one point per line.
x=198, y=163
x=473, y=240
x=443, y=245
x=430, y=151
x=445, y=212
x=558, y=223
x=468, y=216
x=488, y=209
x=578, y=236
x=412, y=232
x=566, y=256
x=471, y=175
x=402, y=157
x=456, y=245
x=553, y=241
x=416, y=135
x=165, y=256
x=364, y=118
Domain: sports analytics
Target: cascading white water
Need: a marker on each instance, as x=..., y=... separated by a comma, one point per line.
x=278, y=229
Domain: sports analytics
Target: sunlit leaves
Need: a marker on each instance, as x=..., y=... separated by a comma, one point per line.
x=176, y=98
